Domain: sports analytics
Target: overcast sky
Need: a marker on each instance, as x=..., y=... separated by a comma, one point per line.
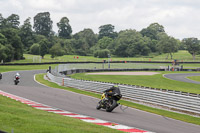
x=181, y=18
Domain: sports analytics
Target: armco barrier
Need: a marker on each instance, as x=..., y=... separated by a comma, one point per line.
x=184, y=103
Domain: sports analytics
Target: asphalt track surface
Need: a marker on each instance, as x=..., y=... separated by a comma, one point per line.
x=85, y=105
x=183, y=77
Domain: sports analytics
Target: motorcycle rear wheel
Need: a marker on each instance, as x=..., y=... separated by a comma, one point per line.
x=113, y=105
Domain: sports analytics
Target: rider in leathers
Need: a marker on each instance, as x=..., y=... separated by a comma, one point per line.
x=109, y=92
x=112, y=90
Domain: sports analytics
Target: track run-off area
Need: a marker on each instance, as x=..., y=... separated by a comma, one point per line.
x=83, y=105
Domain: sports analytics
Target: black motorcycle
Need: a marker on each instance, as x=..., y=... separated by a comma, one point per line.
x=108, y=103
x=16, y=80
x=0, y=76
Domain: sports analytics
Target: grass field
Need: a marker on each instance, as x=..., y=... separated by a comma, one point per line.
x=154, y=81
x=181, y=55
x=25, y=67
x=195, y=78
x=16, y=117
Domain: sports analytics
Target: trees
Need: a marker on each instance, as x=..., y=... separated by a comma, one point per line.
x=167, y=44
x=192, y=45
x=107, y=30
x=2, y=21
x=105, y=42
x=83, y=41
x=56, y=50
x=6, y=50
x=131, y=43
x=65, y=29
x=26, y=34
x=35, y=49
x=13, y=21
x=15, y=41
x=102, y=53
x=43, y=47
x=43, y=24
x=152, y=31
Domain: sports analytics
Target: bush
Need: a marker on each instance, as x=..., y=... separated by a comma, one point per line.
x=35, y=49
x=102, y=53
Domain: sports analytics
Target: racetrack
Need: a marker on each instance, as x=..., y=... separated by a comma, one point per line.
x=183, y=77
x=85, y=105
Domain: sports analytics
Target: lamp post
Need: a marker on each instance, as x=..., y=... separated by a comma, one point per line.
x=108, y=61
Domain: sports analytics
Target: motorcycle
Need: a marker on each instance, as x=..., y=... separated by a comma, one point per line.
x=0, y=76
x=16, y=80
x=108, y=103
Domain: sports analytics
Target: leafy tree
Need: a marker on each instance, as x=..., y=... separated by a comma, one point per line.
x=15, y=41
x=67, y=45
x=56, y=50
x=38, y=38
x=3, y=55
x=65, y=29
x=13, y=21
x=131, y=43
x=167, y=44
x=6, y=52
x=2, y=21
x=43, y=47
x=3, y=39
x=26, y=33
x=192, y=45
x=83, y=41
x=43, y=24
x=105, y=42
x=107, y=30
x=35, y=49
x=121, y=50
x=152, y=31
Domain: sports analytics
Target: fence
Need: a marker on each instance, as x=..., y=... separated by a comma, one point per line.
x=184, y=103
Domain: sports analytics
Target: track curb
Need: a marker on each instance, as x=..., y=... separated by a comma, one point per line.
x=84, y=118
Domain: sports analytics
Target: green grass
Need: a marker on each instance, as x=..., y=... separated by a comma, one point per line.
x=154, y=81
x=178, y=116
x=24, y=67
x=195, y=78
x=181, y=55
x=21, y=118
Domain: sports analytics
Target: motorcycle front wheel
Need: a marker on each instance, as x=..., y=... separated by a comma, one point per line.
x=98, y=105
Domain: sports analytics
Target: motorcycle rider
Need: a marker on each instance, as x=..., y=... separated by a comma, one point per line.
x=17, y=76
x=111, y=91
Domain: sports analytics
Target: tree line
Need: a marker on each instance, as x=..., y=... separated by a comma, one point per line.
x=40, y=39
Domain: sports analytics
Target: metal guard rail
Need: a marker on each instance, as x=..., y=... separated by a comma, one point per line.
x=179, y=102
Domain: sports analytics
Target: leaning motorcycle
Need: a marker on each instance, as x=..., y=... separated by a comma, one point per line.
x=108, y=103
x=16, y=80
x=0, y=76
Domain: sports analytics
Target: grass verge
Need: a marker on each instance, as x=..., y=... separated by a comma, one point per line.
x=174, y=115
x=21, y=118
x=195, y=78
x=154, y=81
x=25, y=67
